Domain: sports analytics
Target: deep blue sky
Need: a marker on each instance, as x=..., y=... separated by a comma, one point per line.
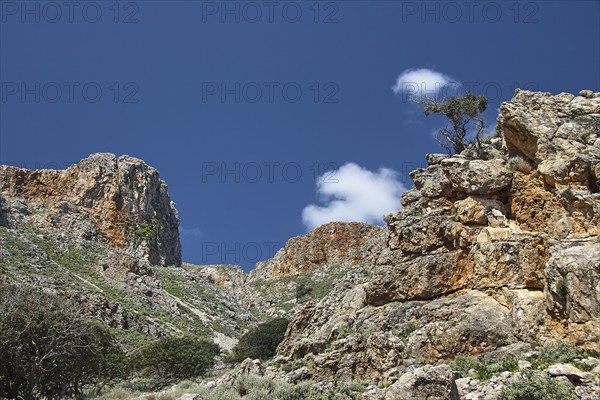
x=171, y=50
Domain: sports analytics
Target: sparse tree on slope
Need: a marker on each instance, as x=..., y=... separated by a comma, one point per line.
x=463, y=112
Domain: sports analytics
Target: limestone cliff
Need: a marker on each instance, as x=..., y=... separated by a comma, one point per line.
x=486, y=255
x=121, y=201
x=333, y=243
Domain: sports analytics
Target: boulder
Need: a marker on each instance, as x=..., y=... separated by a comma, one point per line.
x=426, y=383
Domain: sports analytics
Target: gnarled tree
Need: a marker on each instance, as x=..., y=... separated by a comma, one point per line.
x=48, y=349
x=464, y=115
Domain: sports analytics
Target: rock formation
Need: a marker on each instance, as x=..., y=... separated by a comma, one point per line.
x=486, y=254
x=104, y=233
x=308, y=267
x=347, y=243
x=121, y=201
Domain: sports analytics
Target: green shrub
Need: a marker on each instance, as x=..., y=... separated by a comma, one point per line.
x=482, y=372
x=535, y=387
x=252, y=387
x=50, y=350
x=222, y=392
x=141, y=230
x=509, y=363
x=170, y=359
x=293, y=365
x=260, y=342
x=464, y=364
x=353, y=389
x=519, y=164
x=557, y=352
x=487, y=139
x=115, y=393
x=485, y=370
x=561, y=289
x=302, y=290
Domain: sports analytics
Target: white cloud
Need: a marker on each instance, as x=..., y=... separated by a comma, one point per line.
x=195, y=232
x=353, y=193
x=423, y=82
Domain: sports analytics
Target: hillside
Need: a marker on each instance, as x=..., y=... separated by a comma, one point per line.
x=105, y=234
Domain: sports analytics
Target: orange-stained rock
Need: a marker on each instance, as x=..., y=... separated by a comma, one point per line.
x=121, y=201
x=342, y=243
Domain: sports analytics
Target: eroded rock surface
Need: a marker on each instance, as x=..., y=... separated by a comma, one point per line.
x=120, y=200
x=483, y=256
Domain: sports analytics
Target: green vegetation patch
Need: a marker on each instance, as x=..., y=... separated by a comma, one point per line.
x=485, y=370
x=74, y=264
x=260, y=342
x=535, y=387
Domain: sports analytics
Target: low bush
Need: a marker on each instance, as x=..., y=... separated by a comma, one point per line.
x=260, y=342
x=535, y=387
x=170, y=359
x=485, y=370
x=118, y=392
x=252, y=387
x=48, y=349
x=504, y=363
x=556, y=352
x=293, y=365
x=519, y=164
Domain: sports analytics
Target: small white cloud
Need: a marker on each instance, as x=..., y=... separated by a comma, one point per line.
x=423, y=82
x=352, y=193
x=195, y=232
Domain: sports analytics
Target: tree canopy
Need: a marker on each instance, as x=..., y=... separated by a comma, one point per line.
x=262, y=341
x=463, y=113
x=48, y=349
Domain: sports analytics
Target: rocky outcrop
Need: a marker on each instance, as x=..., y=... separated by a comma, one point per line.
x=102, y=230
x=124, y=292
x=485, y=253
x=427, y=383
x=101, y=233
x=231, y=277
x=341, y=243
x=556, y=133
x=121, y=201
x=573, y=289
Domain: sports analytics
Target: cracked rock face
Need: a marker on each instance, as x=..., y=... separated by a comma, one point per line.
x=481, y=257
x=121, y=201
x=558, y=133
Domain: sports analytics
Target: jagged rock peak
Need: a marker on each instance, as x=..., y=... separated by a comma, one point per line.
x=119, y=200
